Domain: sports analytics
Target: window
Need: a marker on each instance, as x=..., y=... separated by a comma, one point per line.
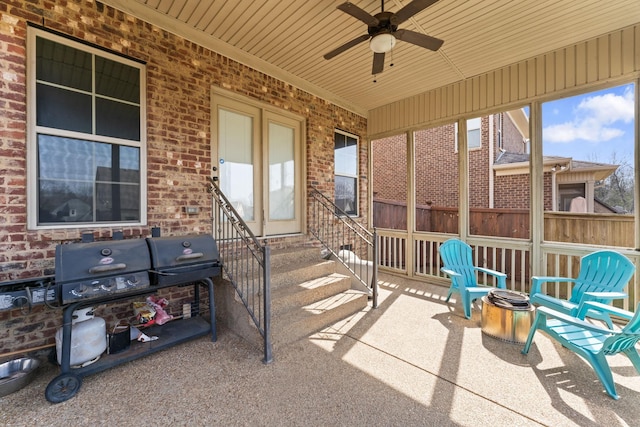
x=346, y=172
x=473, y=134
x=86, y=134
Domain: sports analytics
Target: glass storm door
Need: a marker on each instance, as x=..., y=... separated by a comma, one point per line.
x=258, y=159
x=282, y=175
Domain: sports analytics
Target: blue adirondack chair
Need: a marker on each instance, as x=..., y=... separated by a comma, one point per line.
x=592, y=342
x=458, y=265
x=603, y=275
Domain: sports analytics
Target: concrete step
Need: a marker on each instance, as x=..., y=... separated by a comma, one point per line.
x=286, y=259
x=298, y=295
x=295, y=324
x=299, y=271
x=307, y=295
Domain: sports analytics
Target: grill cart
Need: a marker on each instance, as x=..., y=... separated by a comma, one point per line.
x=92, y=273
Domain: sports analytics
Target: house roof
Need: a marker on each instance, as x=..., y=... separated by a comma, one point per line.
x=288, y=38
x=520, y=161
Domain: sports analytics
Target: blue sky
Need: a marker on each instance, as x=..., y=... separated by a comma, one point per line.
x=591, y=126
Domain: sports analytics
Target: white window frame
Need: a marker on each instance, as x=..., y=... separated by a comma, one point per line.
x=356, y=177
x=33, y=130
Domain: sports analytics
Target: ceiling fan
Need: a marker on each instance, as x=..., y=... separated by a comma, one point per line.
x=383, y=31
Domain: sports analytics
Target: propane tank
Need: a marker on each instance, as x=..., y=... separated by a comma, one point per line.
x=88, y=338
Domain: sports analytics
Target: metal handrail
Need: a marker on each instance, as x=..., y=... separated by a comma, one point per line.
x=337, y=231
x=245, y=263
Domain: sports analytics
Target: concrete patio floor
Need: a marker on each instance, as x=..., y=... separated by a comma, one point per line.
x=414, y=361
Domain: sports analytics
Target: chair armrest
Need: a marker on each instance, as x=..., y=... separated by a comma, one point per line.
x=537, y=281
x=566, y=318
x=491, y=272
x=603, y=295
x=502, y=278
x=450, y=272
x=598, y=306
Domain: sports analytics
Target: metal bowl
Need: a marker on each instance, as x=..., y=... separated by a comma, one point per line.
x=16, y=374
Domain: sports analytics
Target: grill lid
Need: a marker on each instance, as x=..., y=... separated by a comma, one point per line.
x=179, y=251
x=81, y=261
x=509, y=299
x=183, y=259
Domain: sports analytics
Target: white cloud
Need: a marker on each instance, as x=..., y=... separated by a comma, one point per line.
x=594, y=119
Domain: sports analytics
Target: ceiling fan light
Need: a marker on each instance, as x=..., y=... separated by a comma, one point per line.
x=382, y=43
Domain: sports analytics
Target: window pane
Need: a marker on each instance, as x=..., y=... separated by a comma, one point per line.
x=346, y=194
x=117, y=80
x=64, y=201
x=473, y=137
x=346, y=155
x=588, y=160
x=117, y=202
x=473, y=132
x=345, y=160
x=281, y=172
x=71, y=171
x=235, y=134
x=65, y=159
x=117, y=119
x=63, y=109
x=129, y=164
x=63, y=65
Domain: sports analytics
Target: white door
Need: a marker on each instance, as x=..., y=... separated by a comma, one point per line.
x=259, y=156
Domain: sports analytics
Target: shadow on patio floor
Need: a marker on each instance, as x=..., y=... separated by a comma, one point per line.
x=413, y=361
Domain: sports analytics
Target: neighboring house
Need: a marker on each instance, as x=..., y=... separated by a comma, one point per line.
x=565, y=180
x=497, y=143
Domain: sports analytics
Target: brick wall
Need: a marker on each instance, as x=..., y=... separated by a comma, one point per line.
x=179, y=79
x=512, y=192
x=436, y=168
x=389, y=175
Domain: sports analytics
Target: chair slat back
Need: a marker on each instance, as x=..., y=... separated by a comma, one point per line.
x=602, y=271
x=457, y=256
x=625, y=339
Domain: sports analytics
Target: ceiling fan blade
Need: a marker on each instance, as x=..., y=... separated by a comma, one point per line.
x=346, y=46
x=358, y=13
x=378, y=63
x=419, y=39
x=411, y=9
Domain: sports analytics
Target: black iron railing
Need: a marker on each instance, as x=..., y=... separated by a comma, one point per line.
x=245, y=263
x=348, y=241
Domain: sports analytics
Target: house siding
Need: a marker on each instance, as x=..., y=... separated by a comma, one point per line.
x=180, y=75
x=613, y=56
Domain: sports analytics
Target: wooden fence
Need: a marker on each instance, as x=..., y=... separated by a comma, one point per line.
x=585, y=228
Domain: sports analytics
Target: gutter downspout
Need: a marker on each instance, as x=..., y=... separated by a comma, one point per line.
x=491, y=179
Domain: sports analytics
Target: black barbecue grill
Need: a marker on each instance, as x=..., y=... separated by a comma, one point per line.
x=108, y=271
x=97, y=270
x=183, y=259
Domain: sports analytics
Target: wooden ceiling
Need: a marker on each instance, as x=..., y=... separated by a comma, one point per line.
x=288, y=38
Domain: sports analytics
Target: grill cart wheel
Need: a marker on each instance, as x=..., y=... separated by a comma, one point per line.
x=63, y=387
